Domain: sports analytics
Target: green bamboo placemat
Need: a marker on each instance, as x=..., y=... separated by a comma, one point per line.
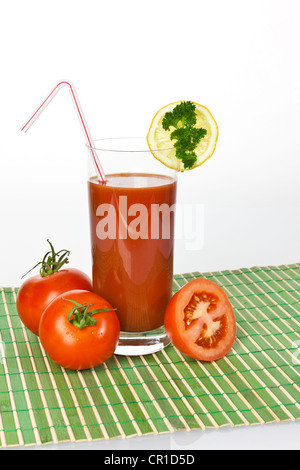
x=257, y=382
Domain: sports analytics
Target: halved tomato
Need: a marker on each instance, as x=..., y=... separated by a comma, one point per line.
x=200, y=321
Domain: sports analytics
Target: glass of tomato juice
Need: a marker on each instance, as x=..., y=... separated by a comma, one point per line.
x=132, y=239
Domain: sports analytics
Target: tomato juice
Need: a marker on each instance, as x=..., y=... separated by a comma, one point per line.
x=132, y=236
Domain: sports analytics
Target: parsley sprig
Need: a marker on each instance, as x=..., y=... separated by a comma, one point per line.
x=187, y=136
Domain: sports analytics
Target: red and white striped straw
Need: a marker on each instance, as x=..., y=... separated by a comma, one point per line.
x=83, y=123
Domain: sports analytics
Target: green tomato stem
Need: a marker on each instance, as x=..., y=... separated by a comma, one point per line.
x=80, y=316
x=50, y=263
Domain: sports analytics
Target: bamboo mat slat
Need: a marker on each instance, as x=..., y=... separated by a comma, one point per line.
x=257, y=382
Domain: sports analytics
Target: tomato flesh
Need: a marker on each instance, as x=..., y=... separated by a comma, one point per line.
x=200, y=320
x=200, y=310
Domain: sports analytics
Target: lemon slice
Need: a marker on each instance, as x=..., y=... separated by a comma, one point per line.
x=162, y=146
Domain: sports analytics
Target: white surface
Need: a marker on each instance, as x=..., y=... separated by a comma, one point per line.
x=274, y=436
x=127, y=60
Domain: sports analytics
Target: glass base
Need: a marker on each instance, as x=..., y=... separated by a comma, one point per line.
x=142, y=343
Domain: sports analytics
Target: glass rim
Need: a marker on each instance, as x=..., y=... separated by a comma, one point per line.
x=97, y=145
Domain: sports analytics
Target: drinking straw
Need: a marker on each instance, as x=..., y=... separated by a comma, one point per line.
x=83, y=123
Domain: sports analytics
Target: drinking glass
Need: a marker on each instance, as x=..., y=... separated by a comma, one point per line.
x=132, y=239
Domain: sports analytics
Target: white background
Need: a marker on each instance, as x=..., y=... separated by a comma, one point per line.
x=127, y=59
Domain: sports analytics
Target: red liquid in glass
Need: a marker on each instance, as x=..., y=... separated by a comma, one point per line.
x=134, y=275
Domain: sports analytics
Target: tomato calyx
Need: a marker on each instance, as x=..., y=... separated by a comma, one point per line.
x=50, y=263
x=80, y=316
x=201, y=312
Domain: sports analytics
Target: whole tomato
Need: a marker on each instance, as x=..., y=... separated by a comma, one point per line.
x=79, y=330
x=36, y=293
